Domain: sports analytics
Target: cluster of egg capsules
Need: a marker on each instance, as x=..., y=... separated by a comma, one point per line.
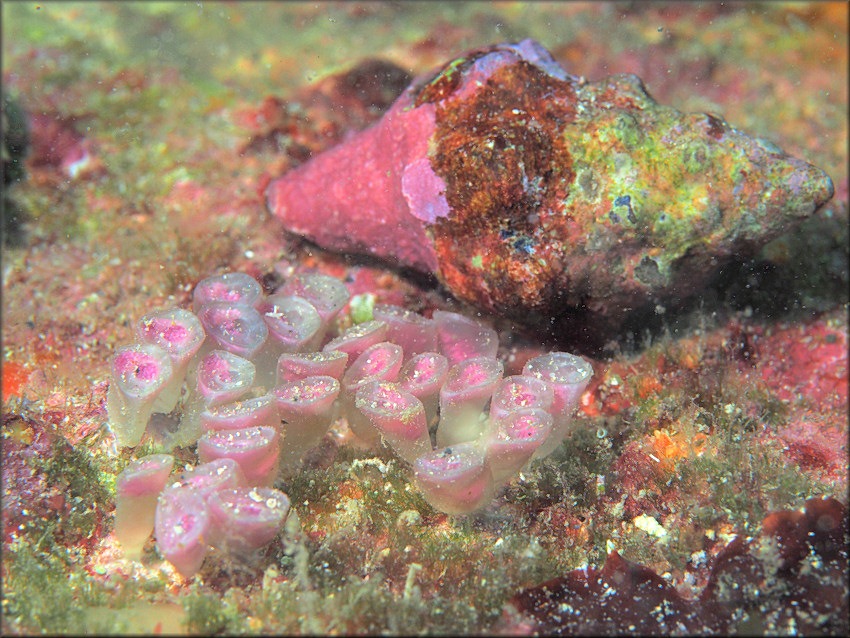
x=256, y=381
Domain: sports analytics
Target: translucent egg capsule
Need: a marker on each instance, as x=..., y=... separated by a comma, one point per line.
x=294, y=326
x=380, y=362
x=517, y=392
x=180, y=333
x=468, y=387
x=460, y=338
x=455, y=479
x=568, y=375
x=413, y=332
x=255, y=449
x=207, y=478
x=294, y=323
x=515, y=438
x=358, y=338
x=300, y=365
x=137, y=488
x=306, y=407
x=182, y=525
x=234, y=287
x=238, y=415
x=235, y=327
x=139, y=374
x=245, y=519
x=398, y=416
x=328, y=294
x=223, y=377
x=220, y=378
x=423, y=375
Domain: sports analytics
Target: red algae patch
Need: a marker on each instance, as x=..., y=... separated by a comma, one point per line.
x=14, y=379
x=806, y=361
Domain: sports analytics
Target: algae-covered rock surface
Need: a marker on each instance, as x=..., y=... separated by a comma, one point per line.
x=140, y=140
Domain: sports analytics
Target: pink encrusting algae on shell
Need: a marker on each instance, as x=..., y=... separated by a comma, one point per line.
x=262, y=390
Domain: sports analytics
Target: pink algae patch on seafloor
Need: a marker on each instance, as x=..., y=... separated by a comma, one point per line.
x=806, y=360
x=818, y=443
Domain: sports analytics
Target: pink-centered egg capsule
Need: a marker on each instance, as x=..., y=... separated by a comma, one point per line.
x=294, y=326
x=255, y=449
x=234, y=287
x=456, y=479
x=380, y=362
x=468, y=386
x=238, y=415
x=398, y=416
x=423, y=375
x=413, y=332
x=294, y=323
x=139, y=373
x=182, y=525
x=207, y=478
x=180, y=333
x=306, y=407
x=328, y=294
x=517, y=435
x=358, y=338
x=294, y=366
x=221, y=377
x=460, y=338
x=245, y=519
x=568, y=375
x=517, y=392
x=235, y=327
